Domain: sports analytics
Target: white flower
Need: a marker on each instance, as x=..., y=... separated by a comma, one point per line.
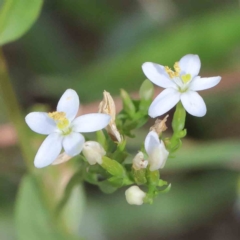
x=93, y=152
x=156, y=151
x=139, y=162
x=180, y=84
x=134, y=195
x=63, y=129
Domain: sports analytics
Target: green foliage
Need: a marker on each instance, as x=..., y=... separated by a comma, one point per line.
x=166, y=47
x=113, y=167
x=33, y=220
x=16, y=18
x=135, y=112
x=146, y=90
x=179, y=132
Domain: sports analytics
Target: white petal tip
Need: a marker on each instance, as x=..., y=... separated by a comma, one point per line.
x=38, y=164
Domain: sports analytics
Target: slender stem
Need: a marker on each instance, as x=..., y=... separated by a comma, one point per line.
x=178, y=124
x=13, y=111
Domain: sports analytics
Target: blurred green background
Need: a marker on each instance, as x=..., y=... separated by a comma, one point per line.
x=96, y=45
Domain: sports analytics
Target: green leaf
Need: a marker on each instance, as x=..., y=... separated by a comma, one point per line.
x=113, y=167
x=101, y=139
x=146, y=90
x=16, y=18
x=128, y=105
x=73, y=210
x=76, y=179
x=33, y=219
x=106, y=187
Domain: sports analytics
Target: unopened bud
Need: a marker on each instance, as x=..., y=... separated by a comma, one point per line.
x=158, y=157
x=139, y=162
x=134, y=195
x=93, y=152
x=108, y=106
x=156, y=150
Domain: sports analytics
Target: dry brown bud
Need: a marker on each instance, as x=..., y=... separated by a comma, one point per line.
x=159, y=126
x=107, y=106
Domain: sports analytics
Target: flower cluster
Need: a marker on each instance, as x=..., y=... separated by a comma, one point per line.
x=65, y=140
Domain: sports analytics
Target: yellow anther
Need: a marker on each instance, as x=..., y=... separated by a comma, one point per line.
x=172, y=73
x=177, y=69
x=57, y=116
x=60, y=118
x=186, y=78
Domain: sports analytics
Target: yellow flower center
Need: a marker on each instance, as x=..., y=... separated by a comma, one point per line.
x=174, y=73
x=186, y=78
x=61, y=120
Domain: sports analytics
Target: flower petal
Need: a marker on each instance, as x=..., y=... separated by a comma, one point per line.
x=73, y=143
x=190, y=64
x=49, y=150
x=40, y=122
x=157, y=74
x=193, y=103
x=90, y=122
x=158, y=157
x=166, y=100
x=151, y=141
x=199, y=84
x=156, y=151
x=69, y=103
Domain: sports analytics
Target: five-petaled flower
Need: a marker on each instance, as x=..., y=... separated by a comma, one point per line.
x=157, y=153
x=180, y=84
x=63, y=128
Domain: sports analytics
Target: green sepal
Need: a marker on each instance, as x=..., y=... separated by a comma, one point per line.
x=166, y=190
x=182, y=133
x=152, y=177
x=113, y=167
x=162, y=183
x=179, y=118
x=139, y=176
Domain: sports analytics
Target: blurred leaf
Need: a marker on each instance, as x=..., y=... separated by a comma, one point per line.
x=33, y=220
x=146, y=90
x=75, y=180
x=128, y=105
x=207, y=155
x=223, y=33
x=16, y=17
x=190, y=203
x=73, y=210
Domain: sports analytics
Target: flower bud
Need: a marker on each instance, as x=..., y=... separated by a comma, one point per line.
x=157, y=153
x=158, y=157
x=93, y=152
x=139, y=162
x=134, y=195
x=108, y=106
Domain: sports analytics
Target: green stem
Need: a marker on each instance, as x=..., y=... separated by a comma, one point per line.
x=178, y=124
x=13, y=111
